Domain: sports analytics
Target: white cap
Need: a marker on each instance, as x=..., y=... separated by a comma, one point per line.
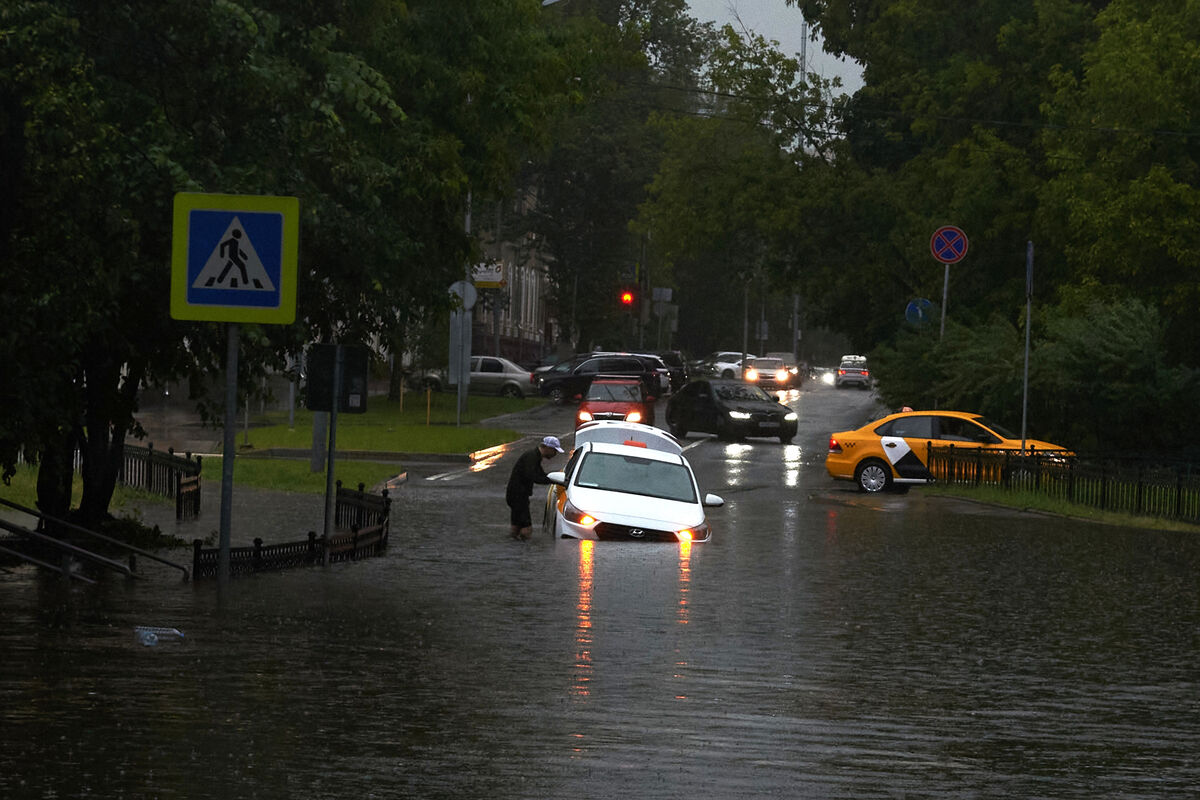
x=552, y=442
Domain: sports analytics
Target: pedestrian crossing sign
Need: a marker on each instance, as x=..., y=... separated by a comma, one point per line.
x=234, y=258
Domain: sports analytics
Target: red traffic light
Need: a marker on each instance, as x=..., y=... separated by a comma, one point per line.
x=626, y=298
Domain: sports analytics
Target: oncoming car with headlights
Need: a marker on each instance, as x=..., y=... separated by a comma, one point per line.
x=640, y=489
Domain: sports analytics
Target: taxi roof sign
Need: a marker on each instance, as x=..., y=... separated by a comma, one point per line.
x=234, y=258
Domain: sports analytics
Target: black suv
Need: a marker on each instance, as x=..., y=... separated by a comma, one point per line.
x=569, y=380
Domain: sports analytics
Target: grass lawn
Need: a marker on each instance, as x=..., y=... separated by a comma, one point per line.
x=294, y=475
x=1032, y=501
x=421, y=424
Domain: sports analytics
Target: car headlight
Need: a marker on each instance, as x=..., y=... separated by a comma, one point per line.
x=782, y=375
x=585, y=416
x=739, y=415
x=790, y=416
x=573, y=514
x=699, y=532
x=752, y=374
x=633, y=416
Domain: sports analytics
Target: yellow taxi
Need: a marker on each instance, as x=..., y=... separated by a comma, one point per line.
x=893, y=450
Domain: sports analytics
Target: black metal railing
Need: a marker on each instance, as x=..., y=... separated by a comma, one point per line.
x=1126, y=484
x=362, y=523
x=156, y=471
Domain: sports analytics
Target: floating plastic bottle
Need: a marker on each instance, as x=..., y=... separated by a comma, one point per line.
x=150, y=636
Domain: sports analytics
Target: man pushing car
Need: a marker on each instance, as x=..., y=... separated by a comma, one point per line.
x=525, y=473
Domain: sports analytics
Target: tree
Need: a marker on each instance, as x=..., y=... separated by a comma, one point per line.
x=378, y=115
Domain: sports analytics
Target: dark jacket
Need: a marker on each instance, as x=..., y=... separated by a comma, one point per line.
x=525, y=473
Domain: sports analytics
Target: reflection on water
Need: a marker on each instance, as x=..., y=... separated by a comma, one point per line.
x=583, y=627
x=487, y=458
x=685, y=579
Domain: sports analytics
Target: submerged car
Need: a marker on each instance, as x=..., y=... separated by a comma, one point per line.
x=732, y=410
x=617, y=398
x=894, y=450
x=627, y=482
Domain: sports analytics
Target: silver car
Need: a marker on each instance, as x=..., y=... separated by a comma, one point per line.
x=495, y=375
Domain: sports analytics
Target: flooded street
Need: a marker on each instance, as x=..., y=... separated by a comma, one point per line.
x=824, y=644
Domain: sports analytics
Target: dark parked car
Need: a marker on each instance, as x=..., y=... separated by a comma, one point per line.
x=569, y=380
x=676, y=367
x=731, y=409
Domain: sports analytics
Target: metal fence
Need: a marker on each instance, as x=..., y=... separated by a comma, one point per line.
x=1141, y=486
x=358, y=541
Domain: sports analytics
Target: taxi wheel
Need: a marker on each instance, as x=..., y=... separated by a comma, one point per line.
x=872, y=475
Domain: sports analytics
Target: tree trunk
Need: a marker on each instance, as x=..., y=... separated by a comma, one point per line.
x=55, y=476
x=396, y=379
x=110, y=400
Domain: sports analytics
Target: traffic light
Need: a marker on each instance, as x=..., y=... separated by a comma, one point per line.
x=627, y=298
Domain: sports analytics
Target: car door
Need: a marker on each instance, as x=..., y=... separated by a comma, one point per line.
x=490, y=375
x=905, y=444
x=705, y=409
x=581, y=377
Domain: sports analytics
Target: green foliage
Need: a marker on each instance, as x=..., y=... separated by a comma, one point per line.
x=1098, y=380
x=378, y=115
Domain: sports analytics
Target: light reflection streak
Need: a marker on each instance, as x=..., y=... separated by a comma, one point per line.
x=685, y=579
x=483, y=459
x=583, y=625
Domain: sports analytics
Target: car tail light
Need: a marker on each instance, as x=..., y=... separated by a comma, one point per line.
x=841, y=372
x=834, y=445
x=865, y=373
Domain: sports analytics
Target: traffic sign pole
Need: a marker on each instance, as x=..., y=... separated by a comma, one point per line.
x=230, y=448
x=948, y=245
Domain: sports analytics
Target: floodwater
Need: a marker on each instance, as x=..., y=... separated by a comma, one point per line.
x=824, y=644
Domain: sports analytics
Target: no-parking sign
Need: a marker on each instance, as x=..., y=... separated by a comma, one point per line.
x=948, y=244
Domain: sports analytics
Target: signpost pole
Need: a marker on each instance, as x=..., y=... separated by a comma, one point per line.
x=1028, y=323
x=329, y=484
x=228, y=450
x=945, y=299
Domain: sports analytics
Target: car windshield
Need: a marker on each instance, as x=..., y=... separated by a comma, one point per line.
x=996, y=428
x=636, y=475
x=770, y=364
x=741, y=391
x=615, y=392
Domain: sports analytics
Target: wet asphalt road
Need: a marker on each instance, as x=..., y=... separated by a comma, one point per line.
x=824, y=644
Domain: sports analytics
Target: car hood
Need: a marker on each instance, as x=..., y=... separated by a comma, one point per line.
x=753, y=405
x=635, y=510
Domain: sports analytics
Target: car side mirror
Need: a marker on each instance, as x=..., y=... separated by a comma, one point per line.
x=558, y=477
x=713, y=501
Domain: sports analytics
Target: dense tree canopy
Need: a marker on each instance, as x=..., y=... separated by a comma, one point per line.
x=377, y=115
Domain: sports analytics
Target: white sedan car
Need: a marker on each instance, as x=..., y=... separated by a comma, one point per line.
x=641, y=489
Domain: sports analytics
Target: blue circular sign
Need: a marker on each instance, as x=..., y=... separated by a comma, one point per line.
x=948, y=244
x=917, y=311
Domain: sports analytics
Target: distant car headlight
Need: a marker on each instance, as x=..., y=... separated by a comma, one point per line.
x=739, y=415
x=633, y=416
x=573, y=514
x=827, y=377
x=790, y=416
x=752, y=374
